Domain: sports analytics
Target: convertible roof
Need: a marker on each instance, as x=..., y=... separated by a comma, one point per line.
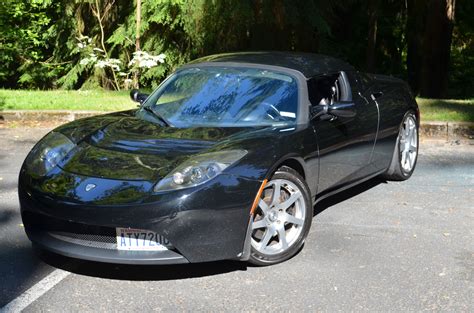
x=309, y=64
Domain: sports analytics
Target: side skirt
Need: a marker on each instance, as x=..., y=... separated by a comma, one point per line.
x=323, y=196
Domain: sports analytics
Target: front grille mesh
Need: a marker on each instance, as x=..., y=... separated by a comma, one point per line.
x=88, y=240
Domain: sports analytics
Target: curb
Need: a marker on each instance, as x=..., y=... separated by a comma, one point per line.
x=449, y=131
x=440, y=130
x=45, y=116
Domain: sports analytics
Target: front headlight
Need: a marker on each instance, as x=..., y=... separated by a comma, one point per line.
x=199, y=169
x=48, y=153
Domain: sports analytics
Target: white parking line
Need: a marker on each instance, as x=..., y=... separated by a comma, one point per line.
x=39, y=289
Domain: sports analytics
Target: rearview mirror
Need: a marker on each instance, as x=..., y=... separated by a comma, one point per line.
x=137, y=96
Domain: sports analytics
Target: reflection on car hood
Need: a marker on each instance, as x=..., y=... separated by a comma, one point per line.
x=125, y=147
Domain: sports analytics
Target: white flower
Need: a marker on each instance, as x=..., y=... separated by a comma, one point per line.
x=101, y=64
x=161, y=58
x=145, y=60
x=114, y=64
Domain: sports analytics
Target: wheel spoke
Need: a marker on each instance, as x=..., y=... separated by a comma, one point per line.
x=259, y=224
x=404, y=157
x=263, y=205
x=402, y=135
x=412, y=148
x=289, y=202
x=276, y=192
x=282, y=237
x=292, y=219
x=268, y=235
x=411, y=160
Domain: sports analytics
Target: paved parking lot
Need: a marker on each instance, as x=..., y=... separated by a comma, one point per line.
x=378, y=247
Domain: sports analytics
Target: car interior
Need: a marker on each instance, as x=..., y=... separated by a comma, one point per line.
x=328, y=89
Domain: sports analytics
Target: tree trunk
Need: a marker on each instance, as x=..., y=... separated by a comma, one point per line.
x=436, y=48
x=137, y=40
x=139, y=19
x=415, y=26
x=372, y=35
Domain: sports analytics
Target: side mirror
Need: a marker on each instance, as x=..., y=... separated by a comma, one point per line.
x=136, y=96
x=337, y=109
x=342, y=109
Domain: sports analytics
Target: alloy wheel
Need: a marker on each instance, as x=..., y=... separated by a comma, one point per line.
x=408, y=144
x=279, y=217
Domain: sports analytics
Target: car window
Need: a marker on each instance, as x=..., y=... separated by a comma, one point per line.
x=327, y=89
x=226, y=96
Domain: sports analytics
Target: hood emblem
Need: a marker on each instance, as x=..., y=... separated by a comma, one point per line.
x=89, y=187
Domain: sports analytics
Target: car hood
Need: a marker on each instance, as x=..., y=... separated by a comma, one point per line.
x=122, y=146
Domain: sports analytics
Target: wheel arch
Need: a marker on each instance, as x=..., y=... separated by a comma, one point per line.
x=295, y=162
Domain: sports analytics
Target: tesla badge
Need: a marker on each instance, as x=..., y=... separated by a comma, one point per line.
x=89, y=187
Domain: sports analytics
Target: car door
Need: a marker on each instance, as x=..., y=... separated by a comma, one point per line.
x=345, y=144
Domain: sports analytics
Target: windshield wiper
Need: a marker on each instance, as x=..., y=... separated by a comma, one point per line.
x=157, y=115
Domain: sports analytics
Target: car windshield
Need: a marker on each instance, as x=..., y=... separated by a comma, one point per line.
x=226, y=97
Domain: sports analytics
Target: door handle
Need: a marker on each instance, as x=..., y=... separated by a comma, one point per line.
x=376, y=95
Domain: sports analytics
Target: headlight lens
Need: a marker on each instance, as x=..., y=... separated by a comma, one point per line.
x=48, y=153
x=199, y=169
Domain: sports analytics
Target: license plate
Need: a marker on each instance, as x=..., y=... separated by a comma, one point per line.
x=139, y=240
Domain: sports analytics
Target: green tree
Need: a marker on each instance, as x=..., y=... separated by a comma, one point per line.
x=32, y=42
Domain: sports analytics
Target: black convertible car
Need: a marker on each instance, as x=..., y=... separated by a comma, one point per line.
x=224, y=160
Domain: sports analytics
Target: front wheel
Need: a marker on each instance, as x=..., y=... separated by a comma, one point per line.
x=406, y=150
x=282, y=219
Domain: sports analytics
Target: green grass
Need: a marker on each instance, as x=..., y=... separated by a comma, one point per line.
x=431, y=109
x=96, y=100
x=446, y=110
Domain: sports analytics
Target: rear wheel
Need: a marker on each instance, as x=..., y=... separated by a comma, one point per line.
x=282, y=218
x=406, y=150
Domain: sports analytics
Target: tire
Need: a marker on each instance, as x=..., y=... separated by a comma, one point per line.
x=281, y=224
x=405, y=154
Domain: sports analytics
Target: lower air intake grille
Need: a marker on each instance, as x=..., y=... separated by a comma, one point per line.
x=88, y=240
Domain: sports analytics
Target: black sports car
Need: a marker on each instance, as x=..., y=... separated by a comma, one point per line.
x=224, y=160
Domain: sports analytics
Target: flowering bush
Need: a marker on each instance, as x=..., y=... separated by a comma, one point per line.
x=140, y=62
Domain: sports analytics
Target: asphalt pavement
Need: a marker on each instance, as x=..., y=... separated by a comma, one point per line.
x=380, y=247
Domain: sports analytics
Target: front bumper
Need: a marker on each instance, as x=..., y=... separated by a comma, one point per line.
x=46, y=240
x=203, y=224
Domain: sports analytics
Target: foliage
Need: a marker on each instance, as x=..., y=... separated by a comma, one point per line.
x=39, y=42
x=462, y=52
x=30, y=50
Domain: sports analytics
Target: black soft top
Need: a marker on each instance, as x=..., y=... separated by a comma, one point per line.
x=309, y=64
